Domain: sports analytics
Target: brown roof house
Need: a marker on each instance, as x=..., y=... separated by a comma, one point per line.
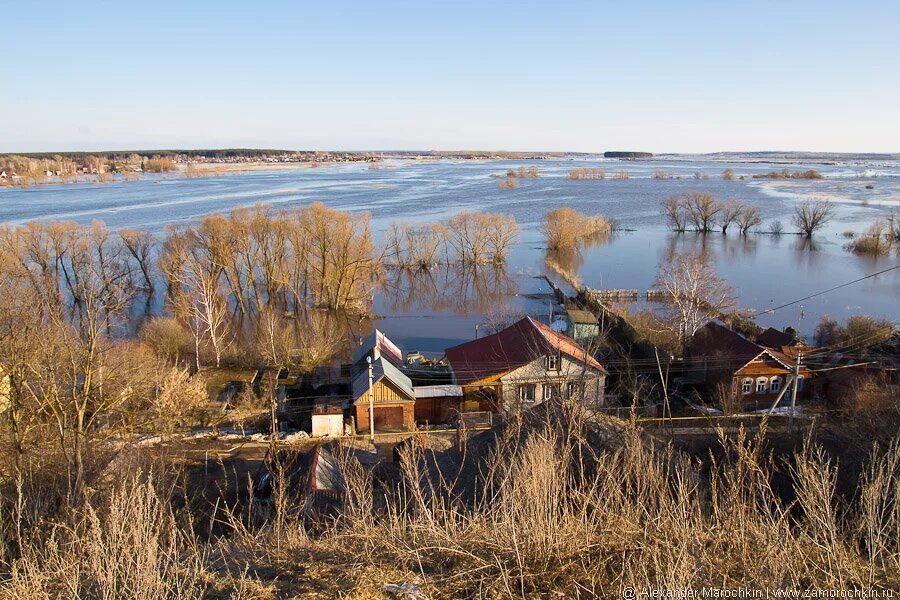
x=524, y=365
x=754, y=375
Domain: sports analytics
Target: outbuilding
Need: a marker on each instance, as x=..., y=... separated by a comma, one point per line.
x=391, y=397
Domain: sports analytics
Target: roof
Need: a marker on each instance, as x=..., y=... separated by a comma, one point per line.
x=378, y=345
x=714, y=340
x=772, y=338
x=438, y=391
x=582, y=316
x=382, y=368
x=517, y=345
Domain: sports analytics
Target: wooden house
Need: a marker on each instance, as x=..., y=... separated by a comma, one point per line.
x=522, y=366
x=755, y=375
x=391, y=395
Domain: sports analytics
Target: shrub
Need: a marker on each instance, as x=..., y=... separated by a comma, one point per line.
x=567, y=229
x=728, y=174
x=587, y=173
x=159, y=165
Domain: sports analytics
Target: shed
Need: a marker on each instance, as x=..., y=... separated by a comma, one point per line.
x=437, y=403
x=327, y=419
x=393, y=398
x=583, y=325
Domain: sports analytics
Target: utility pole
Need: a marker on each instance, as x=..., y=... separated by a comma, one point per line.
x=371, y=404
x=796, y=385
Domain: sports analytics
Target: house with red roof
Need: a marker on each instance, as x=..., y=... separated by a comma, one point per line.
x=756, y=374
x=523, y=365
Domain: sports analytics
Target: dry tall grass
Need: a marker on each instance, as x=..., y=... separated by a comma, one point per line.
x=558, y=503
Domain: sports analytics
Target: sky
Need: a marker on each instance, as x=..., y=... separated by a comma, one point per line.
x=553, y=75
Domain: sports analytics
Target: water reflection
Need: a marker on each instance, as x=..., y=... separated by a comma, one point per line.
x=710, y=246
x=567, y=261
x=460, y=288
x=805, y=253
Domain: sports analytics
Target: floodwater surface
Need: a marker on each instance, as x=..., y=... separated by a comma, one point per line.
x=429, y=312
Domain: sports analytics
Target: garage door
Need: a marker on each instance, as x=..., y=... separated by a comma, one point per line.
x=389, y=418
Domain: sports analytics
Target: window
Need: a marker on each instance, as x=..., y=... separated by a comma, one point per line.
x=551, y=390
x=574, y=390
x=800, y=381
x=746, y=385
x=761, y=384
x=553, y=362
x=775, y=385
x=526, y=392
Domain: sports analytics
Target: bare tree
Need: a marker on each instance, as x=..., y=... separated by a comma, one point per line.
x=468, y=237
x=702, y=209
x=695, y=293
x=140, y=244
x=676, y=213
x=731, y=213
x=748, y=218
x=502, y=232
x=810, y=216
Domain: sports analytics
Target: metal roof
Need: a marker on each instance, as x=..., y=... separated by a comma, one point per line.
x=438, y=391
x=382, y=368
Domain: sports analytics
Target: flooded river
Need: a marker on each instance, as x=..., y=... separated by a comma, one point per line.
x=432, y=312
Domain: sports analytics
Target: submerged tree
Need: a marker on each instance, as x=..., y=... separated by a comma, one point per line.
x=748, y=218
x=810, y=216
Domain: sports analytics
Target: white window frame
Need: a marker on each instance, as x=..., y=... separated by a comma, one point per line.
x=552, y=362
x=747, y=386
x=764, y=383
x=574, y=389
x=775, y=384
x=527, y=392
x=548, y=390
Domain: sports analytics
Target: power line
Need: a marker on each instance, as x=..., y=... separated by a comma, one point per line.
x=837, y=287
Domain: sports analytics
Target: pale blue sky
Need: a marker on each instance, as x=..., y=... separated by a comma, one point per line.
x=587, y=76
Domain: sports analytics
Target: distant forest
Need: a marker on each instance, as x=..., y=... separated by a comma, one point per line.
x=125, y=154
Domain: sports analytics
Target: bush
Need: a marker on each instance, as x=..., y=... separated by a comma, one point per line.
x=567, y=229
x=587, y=173
x=159, y=165
x=786, y=174
x=860, y=331
x=508, y=184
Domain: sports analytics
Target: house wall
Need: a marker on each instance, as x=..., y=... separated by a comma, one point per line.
x=768, y=368
x=388, y=417
x=535, y=372
x=388, y=399
x=436, y=410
